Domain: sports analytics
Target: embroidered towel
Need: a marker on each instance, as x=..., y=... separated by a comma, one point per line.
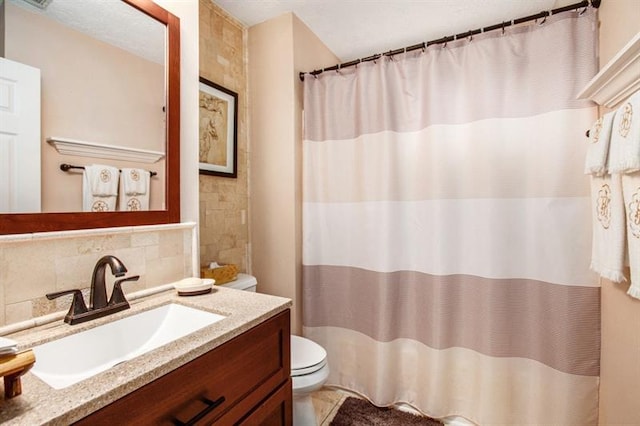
x=631, y=192
x=134, y=189
x=598, y=150
x=135, y=181
x=99, y=188
x=103, y=180
x=608, y=248
x=624, y=152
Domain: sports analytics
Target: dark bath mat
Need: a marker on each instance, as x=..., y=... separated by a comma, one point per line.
x=360, y=412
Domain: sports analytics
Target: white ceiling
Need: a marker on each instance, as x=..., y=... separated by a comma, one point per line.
x=357, y=28
x=111, y=21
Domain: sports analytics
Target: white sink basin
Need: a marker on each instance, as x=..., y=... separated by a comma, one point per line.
x=68, y=360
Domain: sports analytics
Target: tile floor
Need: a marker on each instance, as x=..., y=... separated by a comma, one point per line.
x=326, y=402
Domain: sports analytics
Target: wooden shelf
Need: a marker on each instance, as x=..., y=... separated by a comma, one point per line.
x=99, y=150
x=12, y=367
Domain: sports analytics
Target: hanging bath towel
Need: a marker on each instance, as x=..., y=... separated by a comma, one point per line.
x=99, y=188
x=609, y=248
x=624, y=153
x=598, y=150
x=631, y=191
x=134, y=189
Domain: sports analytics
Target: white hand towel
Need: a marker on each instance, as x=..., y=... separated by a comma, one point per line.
x=103, y=180
x=135, y=181
x=99, y=188
x=598, y=150
x=8, y=346
x=631, y=191
x=608, y=249
x=624, y=152
x=134, y=190
x=6, y=343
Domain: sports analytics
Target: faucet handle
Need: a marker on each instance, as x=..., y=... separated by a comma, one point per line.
x=117, y=295
x=77, y=304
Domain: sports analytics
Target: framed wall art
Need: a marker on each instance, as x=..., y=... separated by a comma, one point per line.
x=218, y=145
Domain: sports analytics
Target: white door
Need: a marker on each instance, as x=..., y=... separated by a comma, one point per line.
x=19, y=137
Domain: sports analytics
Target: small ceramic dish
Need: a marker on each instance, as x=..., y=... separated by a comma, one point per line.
x=194, y=286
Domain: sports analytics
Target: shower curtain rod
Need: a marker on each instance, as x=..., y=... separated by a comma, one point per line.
x=585, y=3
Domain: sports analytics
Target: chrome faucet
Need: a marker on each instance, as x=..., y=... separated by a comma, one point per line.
x=98, y=304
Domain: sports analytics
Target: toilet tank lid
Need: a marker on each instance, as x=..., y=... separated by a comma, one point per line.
x=243, y=282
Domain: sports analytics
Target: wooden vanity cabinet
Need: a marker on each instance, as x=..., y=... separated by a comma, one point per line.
x=242, y=382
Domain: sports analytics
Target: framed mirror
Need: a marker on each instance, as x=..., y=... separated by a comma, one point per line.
x=162, y=124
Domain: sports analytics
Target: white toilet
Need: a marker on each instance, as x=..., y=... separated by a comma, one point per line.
x=309, y=368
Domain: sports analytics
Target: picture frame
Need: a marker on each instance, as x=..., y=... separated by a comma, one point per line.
x=218, y=130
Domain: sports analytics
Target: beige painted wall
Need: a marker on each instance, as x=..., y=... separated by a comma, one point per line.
x=619, y=22
x=309, y=53
x=91, y=91
x=272, y=179
x=620, y=359
x=278, y=49
x=224, y=229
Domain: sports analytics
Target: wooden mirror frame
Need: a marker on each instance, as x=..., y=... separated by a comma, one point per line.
x=21, y=223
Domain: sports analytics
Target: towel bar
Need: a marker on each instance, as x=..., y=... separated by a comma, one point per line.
x=66, y=167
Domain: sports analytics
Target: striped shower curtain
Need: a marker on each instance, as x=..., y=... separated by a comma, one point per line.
x=446, y=227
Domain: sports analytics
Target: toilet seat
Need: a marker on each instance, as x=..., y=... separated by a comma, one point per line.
x=307, y=356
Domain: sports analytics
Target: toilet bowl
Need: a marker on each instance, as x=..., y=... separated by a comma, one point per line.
x=309, y=371
x=309, y=368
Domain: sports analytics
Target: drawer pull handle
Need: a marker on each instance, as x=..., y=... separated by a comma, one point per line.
x=210, y=406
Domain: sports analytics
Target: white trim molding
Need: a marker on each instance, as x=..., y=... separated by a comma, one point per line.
x=98, y=150
x=618, y=79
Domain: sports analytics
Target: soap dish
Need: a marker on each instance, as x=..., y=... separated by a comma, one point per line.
x=194, y=286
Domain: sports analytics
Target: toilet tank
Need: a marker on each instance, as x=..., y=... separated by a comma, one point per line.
x=244, y=282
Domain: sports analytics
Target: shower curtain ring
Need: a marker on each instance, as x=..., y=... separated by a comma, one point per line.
x=470, y=36
x=511, y=23
x=583, y=11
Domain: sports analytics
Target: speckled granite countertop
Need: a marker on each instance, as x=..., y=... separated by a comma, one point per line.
x=41, y=404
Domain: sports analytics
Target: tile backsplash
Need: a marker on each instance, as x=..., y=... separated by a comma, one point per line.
x=33, y=265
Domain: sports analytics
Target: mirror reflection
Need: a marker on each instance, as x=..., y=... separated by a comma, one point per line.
x=100, y=65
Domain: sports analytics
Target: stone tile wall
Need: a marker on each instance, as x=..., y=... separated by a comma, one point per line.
x=36, y=264
x=224, y=201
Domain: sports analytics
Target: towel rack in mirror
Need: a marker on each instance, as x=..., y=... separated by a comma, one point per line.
x=66, y=167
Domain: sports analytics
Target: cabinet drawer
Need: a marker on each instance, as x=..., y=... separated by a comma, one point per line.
x=277, y=410
x=242, y=372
